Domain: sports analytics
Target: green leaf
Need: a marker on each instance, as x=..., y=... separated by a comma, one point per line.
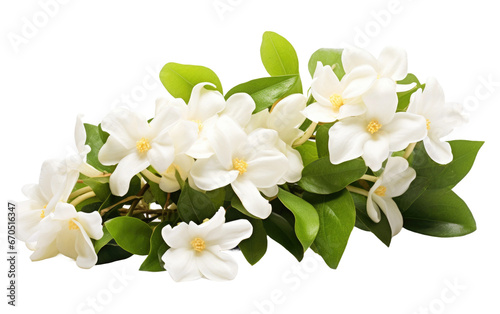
x=381, y=230
x=95, y=142
x=332, y=57
x=447, y=176
x=405, y=97
x=113, y=200
x=308, y=152
x=439, y=213
x=254, y=247
x=104, y=135
x=281, y=231
x=217, y=197
x=130, y=233
x=158, y=194
x=99, y=244
x=158, y=247
x=431, y=175
x=194, y=205
x=306, y=217
x=278, y=55
x=322, y=138
x=111, y=252
x=179, y=79
x=268, y=90
x=337, y=215
x=322, y=177
x=100, y=189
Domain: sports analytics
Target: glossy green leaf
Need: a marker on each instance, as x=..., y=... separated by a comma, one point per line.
x=322, y=138
x=179, y=79
x=160, y=197
x=254, y=247
x=308, y=152
x=439, y=213
x=111, y=252
x=306, y=218
x=322, y=177
x=99, y=244
x=268, y=90
x=158, y=247
x=194, y=205
x=100, y=189
x=431, y=175
x=130, y=233
x=278, y=55
x=337, y=215
x=405, y=97
x=281, y=231
x=327, y=56
x=381, y=230
x=95, y=142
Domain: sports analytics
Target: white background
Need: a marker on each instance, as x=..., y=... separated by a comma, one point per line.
x=89, y=54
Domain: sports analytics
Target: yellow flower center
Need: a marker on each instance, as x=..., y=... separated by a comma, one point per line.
x=428, y=124
x=198, y=244
x=42, y=214
x=381, y=190
x=240, y=165
x=200, y=124
x=72, y=225
x=143, y=145
x=373, y=126
x=337, y=101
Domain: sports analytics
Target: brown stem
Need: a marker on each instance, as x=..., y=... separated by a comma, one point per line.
x=136, y=201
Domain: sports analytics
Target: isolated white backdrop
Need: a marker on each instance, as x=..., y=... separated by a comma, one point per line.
x=89, y=56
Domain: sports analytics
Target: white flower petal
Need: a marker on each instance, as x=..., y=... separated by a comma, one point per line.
x=391, y=211
x=177, y=237
x=239, y=107
x=230, y=234
x=381, y=101
x=286, y=117
x=347, y=139
x=439, y=151
x=128, y=167
x=358, y=81
x=404, y=129
x=181, y=264
x=317, y=112
x=251, y=199
x=113, y=151
x=352, y=108
x=209, y=174
x=325, y=83
x=124, y=125
x=295, y=165
x=227, y=137
x=270, y=192
x=204, y=103
x=217, y=266
x=393, y=63
x=376, y=151
x=266, y=170
x=91, y=223
x=397, y=176
x=86, y=255
x=80, y=134
x=353, y=57
x=161, y=156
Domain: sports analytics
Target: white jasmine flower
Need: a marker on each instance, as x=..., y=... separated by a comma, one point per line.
x=201, y=112
x=376, y=133
x=54, y=186
x=247, y=162
x=78, y=162
x=335, y=99
x=134, y=144
x=196, y=250
x=391, y=65
x=393, y=182
x=68, y=232
x=285, y=118
x=441, y=119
